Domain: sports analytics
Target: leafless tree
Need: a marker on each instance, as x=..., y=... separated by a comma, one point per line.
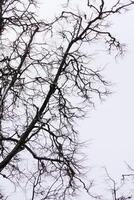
x=47, y=82
x=118, y=189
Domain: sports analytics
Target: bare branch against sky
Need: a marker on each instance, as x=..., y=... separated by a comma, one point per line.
x=47, y=82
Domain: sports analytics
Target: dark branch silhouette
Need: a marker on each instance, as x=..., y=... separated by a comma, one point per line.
x=44, y=66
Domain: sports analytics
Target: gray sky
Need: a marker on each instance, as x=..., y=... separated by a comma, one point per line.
x=110, y=126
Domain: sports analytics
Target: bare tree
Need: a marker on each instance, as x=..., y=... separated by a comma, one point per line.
x=119, y=190
x=47, y=82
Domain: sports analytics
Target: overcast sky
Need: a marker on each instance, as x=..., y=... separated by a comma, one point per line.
x=110, y=127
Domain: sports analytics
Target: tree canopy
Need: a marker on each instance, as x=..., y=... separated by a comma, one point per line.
x=47, y=82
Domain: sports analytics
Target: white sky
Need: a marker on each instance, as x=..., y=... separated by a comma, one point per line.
x=110, y=127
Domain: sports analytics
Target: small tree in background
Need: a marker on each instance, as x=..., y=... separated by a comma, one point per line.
x=47, y=81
